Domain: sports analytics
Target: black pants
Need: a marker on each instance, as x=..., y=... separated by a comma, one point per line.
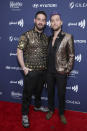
x=33, y=81
x=61, y=81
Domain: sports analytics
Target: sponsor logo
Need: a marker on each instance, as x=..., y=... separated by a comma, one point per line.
x=73, y=73
x=20, y=82
x=48, y=23
x=73, y=102
x=73, y=88
x=35, y=5
x=12, y=68
x=16, y=95
x=77, y=5
x=42, y=98
x=80, y=41
x=15, y=6
x=13, y=54
x=11, y=39
x=19, y=23
x=78, y=58
x=44, y=5
x=81, y=24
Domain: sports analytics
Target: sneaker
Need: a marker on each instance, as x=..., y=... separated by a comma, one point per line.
x=25, y=121
x=63, y=119
x=49, y=115
x=43, y=109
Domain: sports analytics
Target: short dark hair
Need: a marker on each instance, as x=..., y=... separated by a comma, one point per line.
x=55, y=13
x=40, y=12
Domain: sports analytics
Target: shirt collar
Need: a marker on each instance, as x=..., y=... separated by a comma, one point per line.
x=38, y=33
x=59, y=35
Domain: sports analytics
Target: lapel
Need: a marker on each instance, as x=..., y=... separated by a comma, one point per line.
x=59, y=40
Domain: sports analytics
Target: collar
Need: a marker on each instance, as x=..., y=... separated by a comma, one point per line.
x=61, y=33
x=38, y=33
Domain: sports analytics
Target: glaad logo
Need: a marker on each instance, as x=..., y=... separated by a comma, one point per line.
x=80, y=41
x=48, y=23
x=11, y=38
x=77, y=5
x=81, y=24
x=74, y=88
x=20, y=82
x=44, y=5
x=78, y=58
x=13, y=54
x=20, y=23
x=15, y=5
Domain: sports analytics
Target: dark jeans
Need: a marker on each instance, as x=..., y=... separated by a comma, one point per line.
x=61, y=81
x=33, y=81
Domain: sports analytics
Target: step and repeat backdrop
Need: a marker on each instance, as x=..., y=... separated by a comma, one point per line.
x=16, y=17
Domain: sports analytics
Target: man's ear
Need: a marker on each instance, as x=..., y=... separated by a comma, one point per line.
x=61, y=22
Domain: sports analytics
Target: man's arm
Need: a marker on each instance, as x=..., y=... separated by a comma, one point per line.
x=70, y=54
x=21, y=46
x=21, y=61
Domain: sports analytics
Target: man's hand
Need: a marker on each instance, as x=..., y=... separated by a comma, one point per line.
x=26, y=70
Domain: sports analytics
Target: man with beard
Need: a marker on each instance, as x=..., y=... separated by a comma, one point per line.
x=60, y=63
x=32, y=56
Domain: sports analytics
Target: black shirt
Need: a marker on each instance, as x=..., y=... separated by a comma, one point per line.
x=52, y=52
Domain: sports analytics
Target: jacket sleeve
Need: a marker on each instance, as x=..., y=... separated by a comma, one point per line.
x=70, y=52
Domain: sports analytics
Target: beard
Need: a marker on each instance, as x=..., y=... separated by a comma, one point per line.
x=39, y=27
x=56, y=29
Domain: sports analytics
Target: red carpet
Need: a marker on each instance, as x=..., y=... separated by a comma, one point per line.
x=10, y=120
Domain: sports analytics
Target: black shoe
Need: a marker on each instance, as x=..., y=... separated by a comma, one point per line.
x=63, y=119
x=25, y=121
x=43, y=109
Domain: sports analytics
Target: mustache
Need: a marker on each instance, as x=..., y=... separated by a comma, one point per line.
x=40, y=24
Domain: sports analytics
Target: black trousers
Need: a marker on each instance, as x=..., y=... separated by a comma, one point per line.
x=61, y=81
x=33, y=81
